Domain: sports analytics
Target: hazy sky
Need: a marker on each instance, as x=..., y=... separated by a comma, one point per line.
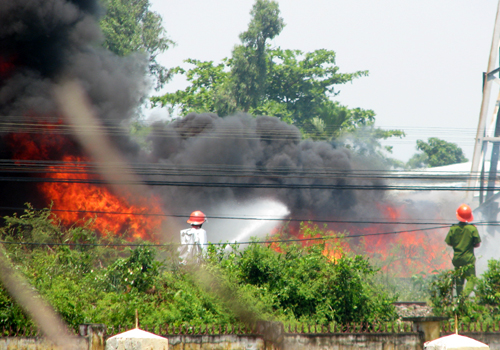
x=425, y=57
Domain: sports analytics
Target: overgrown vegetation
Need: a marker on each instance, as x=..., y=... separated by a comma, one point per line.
x=93, y=281
x=90, y=279
x=482, y=306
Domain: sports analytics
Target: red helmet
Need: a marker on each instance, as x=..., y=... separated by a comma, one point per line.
x=197, y=218
x=464, y=213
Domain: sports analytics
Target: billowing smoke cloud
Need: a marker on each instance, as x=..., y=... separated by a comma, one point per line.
x=242, y=158
x=47, y=40
x=238, y=158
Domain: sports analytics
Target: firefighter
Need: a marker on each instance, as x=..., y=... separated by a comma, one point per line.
x=463, y=237
x=194, y=239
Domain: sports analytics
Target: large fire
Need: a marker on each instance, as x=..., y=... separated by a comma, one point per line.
x=400, y=250
x=406, y=249
x=77, y=202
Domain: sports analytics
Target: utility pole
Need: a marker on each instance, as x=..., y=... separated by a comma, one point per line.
x=484, y=134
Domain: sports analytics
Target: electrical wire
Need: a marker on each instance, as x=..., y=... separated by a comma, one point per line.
x=268, y=218
x=291, y=186
x=322, y=238
x=40, y=125
x=67, y=172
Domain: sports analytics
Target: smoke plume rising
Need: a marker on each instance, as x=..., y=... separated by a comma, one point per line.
x=217, y=160
x=243, y=158
x=43, y=42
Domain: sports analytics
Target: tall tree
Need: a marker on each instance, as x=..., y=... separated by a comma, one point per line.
x=130, y=26
x=294, y=86
x=250, y=60
x=441, y=152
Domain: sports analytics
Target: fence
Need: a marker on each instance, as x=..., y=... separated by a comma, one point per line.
x=376, y=327
x=240, y=329
x=267, y=335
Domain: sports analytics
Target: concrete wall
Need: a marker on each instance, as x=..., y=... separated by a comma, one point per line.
x=348, y=341
x=338, y=341
x=11, y=343
x=91, y=337
x=289, y=341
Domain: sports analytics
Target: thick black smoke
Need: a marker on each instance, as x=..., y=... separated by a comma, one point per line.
x=44, y=41
x=253, y=153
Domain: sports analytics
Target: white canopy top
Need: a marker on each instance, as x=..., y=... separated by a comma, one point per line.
x=455, y=341
x=136, y=333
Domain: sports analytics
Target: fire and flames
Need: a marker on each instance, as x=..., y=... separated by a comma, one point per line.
x=79, y=201
x=408, y=250
x=401, y=250
x=75, y=199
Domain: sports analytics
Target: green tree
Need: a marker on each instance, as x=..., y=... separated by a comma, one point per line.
x=418, y=160
x=440, y=152
x=130, y=26
x=250, y=61
x=294, y=86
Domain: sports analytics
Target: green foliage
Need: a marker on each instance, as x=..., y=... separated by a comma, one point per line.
x=488, y=288
x=102, y=284
x=249, y=64
x=418, y=160
x=304, y=284
x=304, y=82
x=208, y=90
x=446, y=304
x=440, y=152
x=12, y=316
x=129, y=26
x=137, y=271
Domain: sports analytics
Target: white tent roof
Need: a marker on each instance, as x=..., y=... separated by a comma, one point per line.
x=455, y=341
x=137, y=339
x=136, y=333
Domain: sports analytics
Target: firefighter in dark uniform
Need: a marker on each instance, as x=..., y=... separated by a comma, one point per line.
x=463, y=237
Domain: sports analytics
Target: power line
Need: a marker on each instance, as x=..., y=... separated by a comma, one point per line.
x=261, y=218
x=292, y=186
x=324, y=238
x=249, y=218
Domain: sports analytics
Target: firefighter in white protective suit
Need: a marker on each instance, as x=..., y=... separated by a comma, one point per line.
x=194, y=239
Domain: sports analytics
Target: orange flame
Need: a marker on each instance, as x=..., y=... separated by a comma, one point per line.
x=78, y=202
x=399, y=251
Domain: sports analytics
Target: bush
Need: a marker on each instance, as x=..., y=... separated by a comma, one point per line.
x=306, y=285
x=97, y=283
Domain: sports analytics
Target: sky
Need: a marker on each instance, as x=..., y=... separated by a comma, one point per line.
x=425, y=58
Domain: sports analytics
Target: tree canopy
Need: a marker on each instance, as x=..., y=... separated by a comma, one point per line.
x=437, y=152
x=295, y=86
x=249, y=66
x=129, y=26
